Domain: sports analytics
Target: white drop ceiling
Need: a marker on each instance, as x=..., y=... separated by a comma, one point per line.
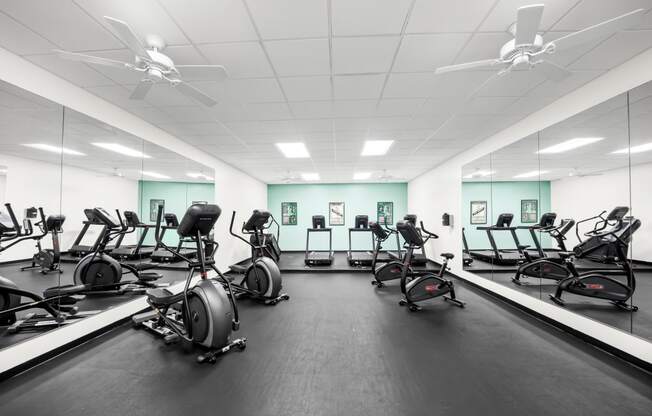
x=607, y=121
x=330, y=73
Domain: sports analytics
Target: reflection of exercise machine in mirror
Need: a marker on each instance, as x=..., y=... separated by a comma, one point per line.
x=319, y=257
x=47, y=260
x=360, y=257
x=495, y=255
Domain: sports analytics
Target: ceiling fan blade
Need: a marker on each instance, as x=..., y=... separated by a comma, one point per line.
x=202, y=72
x=467, y=65
x=141, y=89
x=80, y=57
x=527, y=24
x=553, y=71
x=127, y=36
x=600, y=30
x=192, y=92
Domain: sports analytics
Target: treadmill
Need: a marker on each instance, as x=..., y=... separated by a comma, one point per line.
x=466, y=256
x=319, y=257
x=545, y=224
x=418, y=259
x=80, y=250
x=360, y=257
x=134, y=251
x=160, y=254
x=494, y=255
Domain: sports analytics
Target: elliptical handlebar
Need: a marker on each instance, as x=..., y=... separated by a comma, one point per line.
x=237, y=235
x=12, y=215
x=428, y=233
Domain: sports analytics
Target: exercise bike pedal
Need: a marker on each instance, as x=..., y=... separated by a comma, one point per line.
x=414, y=308
x=402, y=302
x=456, y=302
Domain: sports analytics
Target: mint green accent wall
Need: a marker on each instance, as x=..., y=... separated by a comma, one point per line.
x=178, y=197
x=503, y=197
x=359, y=199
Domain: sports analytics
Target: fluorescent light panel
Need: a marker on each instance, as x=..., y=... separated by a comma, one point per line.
x=123, y=150
x=293, y=150
x=361, y=176
x=54, y=149
x=154, y=174
x=480, y=174
x=635, y=149
x=313, y=176
x=376, y=147
x=531, y=174
x=199, y=175
x=570, y=145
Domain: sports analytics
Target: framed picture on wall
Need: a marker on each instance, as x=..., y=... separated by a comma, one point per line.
x=336, y=213
x=153, y=208
x=289, y=213
x=385, y=213
x=529, y=210
x=478, y=212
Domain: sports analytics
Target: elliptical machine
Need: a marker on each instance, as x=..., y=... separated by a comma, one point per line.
x=389, y=270
x=261, y=278
x=204, y=313
x=102, y=274
x=596, y=283
x=47, y=260
x=418, y=287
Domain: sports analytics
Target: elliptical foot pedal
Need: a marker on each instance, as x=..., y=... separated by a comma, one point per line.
x=456, y=302
x=211, y=356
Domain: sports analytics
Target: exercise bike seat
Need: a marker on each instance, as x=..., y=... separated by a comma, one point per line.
x=163, y=297
x=66, y=290
x=448, y=256
x=149, y=276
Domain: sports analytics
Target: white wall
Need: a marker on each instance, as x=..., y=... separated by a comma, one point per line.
x=439, y=190
x=3, y=184
x=584, y=197
x=32, y=183
x=242, y=193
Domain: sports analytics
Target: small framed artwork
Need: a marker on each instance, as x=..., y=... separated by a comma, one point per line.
x=336, y=213
x=529, y=211
x=385, y=213
x=289, y=213
x=478, y=212
x=153, y=208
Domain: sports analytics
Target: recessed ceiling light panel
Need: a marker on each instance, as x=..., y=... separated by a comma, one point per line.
x=376, y=147
x=293, y=150
x=123, y=150
x=570, y=145
x=54, y=149
x=312, y=176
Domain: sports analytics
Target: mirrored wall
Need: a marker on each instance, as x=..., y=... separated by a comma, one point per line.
x=69, y=164
x=562, y=215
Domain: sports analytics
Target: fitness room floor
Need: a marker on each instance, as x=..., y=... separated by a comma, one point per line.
x=340, y=346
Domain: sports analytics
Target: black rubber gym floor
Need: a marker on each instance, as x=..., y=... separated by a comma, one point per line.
x=341, y=347
x=638, y=323
x=293, y=261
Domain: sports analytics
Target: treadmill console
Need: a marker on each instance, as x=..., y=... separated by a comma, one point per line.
x=361, y=221
x=171, y=220
x=504, y=220
x=548, y=220
x=617, y=214
x=378, y=231
x=198, y=218
x=55, y=222
x=132, y=219
x=410, y=233
x=105, y=218
x=318, y=221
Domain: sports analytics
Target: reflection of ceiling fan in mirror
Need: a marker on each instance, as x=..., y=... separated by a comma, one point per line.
x=576, y=173
x=290, y=177
x=154, y=65
x=387, y=177
x=526, y=50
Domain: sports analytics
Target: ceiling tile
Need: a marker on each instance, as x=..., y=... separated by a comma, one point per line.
x=504, y=13
x=588, y=13
x=615, y=50
x=299, y=57
x=438, y=16
x=307, y=88
x=399, y=106
x=410, y=85
x=118, y=95
x=241, y=60
x=185, y=55
x=513, y=84
x=188, y=114
x=75, y=72
x=207, y=21
x=20, y=40
x=459, y=84
x=368, y=17
x=557, y=89
x=312, y=109
x=313, y=126
x=483, y=46
x=146, y=17
x=268, y=111
x=427, y=52
x=358, y=86
x=54, y=20
x=364, y=54
x=164, y=95
x=354, y=108
x=242, y=90
x=487, y=105
x=565, y=57
x=283, y=19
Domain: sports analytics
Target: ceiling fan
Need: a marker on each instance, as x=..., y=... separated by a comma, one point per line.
x=290, y=177
x=154, y=65
x=527, y=49
x=386, y=177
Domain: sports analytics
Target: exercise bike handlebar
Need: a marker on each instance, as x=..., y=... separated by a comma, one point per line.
x=428, y=233
x=19, y=235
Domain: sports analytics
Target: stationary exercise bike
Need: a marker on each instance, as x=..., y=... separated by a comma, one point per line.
x=102, y=274
x=389, y=270
x=597, y=284
x=204, y=313
x=47, y=260
x=418, y=287
x=262, y=277
x=58, y=303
